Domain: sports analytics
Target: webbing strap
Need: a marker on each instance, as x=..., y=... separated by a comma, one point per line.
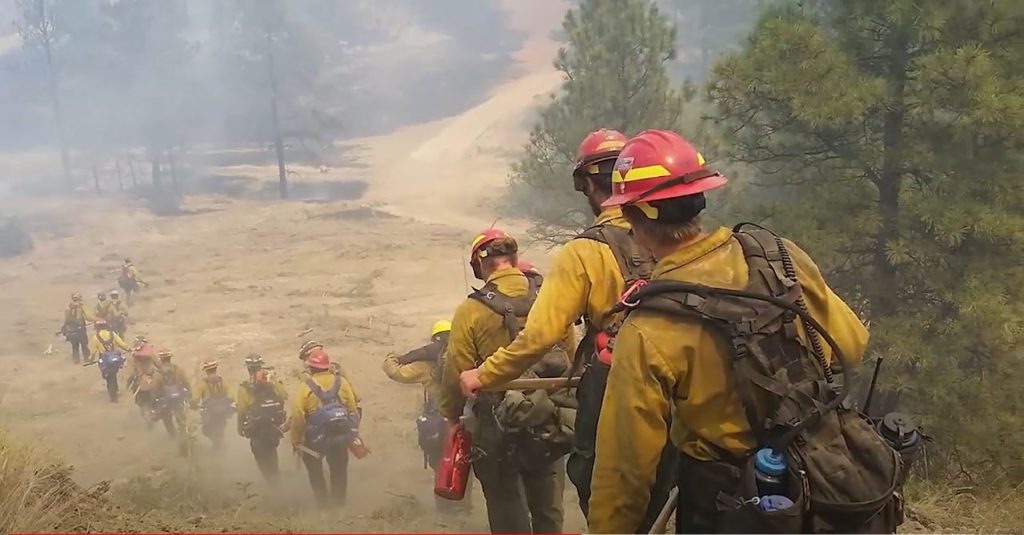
x=635, y=263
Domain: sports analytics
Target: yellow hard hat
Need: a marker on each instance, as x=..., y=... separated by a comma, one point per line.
x=440, y=326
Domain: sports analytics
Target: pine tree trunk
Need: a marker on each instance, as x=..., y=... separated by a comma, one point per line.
x=282, y=173
x=54, y=90
x=135, y=180
x=120, y=180
x=174, y=168
x=155, y=172
x=885, y=297
x=95, y=178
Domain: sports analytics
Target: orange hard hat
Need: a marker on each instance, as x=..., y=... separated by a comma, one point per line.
x=657, y=165
x=210, y=365
x=598, y=146
x=318, y=360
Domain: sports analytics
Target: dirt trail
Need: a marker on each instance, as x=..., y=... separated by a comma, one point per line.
x=451, y=171
x=234, y=276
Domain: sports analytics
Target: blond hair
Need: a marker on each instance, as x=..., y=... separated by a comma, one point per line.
x=660, y=232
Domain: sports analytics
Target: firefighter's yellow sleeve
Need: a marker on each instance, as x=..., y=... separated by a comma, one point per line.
x=412, y=373
x=462, y=356
x=202, y=392
x=120, y=343
x=182, y=379
x=244, y=400
x=631, y=433
x=298, y=415
x=561, y=301
x=832, y=312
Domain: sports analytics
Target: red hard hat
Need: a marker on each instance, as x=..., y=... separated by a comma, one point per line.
x=526, y=267
x=598, y=146
x=318, y=360
x=659, y=164
x=145, y=351
x=480, y=242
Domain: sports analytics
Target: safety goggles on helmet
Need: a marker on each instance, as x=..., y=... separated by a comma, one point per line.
x=598, y=146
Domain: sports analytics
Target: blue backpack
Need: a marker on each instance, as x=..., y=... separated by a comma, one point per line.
x=331, y=425
x=110, y=362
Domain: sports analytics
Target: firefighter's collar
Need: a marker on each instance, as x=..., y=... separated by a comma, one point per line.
x=692, y=252
x=611, y=215
x=504, y=272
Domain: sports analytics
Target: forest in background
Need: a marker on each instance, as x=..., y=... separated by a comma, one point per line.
x=885, y=137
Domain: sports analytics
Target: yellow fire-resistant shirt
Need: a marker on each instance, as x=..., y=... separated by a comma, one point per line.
x=103, y=310
x=670, y=372
x=76, y=316
x=478, y=331
x=307, y=403
x=584, y=281
x=208, y=388
x=417, y=372
x=246, y=401
x=105, y=340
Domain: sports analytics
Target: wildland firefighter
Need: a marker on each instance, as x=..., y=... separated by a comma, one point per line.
x=143, y=378
x=306, y=349
x=171, y=392
x=102, y=306
x=215, y=402
x=424, y=366
x=74, y=329
x=261, y=415
x=105, y=339
x=117, y=313
x=130, y=280
x=325, y=426
x=730, y=349
x=521, y=436
x=585, y=281
x=107, y=350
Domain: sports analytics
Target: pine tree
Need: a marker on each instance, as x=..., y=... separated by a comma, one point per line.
x=887, y=136
x=615, y=77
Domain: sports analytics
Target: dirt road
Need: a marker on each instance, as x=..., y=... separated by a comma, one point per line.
x=234, y=276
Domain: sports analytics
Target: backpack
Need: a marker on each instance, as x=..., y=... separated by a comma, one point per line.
x=331, y=425
x=513, y=312
x=635, y=264
x=842, y=476
x=268, y=412
x=217, y=407
x=108, y=344
x=532, y=424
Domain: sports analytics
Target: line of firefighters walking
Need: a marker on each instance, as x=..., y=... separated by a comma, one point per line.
x=322, y=426
x=710, y=380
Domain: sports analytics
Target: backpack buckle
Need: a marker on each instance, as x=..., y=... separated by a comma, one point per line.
x=633, y=289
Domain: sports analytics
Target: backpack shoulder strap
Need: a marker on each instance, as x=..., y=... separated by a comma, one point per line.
x=332, y=394
x=635, y=263
x=511, y=309
x=317, y=391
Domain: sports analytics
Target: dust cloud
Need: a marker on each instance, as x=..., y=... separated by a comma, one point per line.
x=394, y=160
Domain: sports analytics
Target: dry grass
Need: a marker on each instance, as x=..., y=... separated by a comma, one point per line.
x=36, y=494
x=946, y=508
